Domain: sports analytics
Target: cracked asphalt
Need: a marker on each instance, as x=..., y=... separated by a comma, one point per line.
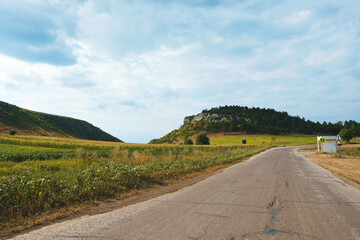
x=278, y=194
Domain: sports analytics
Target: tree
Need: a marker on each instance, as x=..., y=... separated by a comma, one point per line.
x=202, y=139
x=188, y=141
x=346, y=134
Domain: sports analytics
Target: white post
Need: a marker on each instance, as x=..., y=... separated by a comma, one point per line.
x=318, y=143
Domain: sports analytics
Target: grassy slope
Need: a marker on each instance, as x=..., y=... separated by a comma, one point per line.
x=34, y=123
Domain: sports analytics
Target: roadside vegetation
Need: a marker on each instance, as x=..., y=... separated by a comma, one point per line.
x=346, y=163
x=40, y=176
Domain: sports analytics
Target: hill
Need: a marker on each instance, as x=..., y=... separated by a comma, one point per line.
x=230, y=119
x=26, y=122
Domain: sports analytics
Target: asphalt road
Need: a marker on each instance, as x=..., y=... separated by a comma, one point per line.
x=277, y=194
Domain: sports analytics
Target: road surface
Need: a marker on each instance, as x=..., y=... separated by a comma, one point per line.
x=278, y=194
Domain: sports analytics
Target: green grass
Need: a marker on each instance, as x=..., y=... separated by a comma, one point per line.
x=40, y=175
x=55, y=142
x=355, y=140
x=350, y=151
x=16, y=153
x=273, y=140
x=10, y=148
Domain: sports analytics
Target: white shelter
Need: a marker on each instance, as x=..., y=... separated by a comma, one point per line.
x=326, y=143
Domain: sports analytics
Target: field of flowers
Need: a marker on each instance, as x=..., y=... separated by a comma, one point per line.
x=40, y=175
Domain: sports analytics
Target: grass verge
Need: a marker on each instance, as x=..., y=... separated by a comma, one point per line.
x=346, y=164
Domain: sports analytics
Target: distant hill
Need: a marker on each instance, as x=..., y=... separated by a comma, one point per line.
x=249, y=120
x=26, y=122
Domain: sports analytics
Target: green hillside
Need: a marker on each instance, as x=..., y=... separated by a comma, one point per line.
x=229, y=119
x=26, y=122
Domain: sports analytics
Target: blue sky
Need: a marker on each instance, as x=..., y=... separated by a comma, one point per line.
x=137, y=68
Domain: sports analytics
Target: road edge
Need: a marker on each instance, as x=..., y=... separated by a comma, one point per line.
x=344, y=179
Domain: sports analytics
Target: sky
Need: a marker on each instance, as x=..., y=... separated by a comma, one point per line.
x=137, y=68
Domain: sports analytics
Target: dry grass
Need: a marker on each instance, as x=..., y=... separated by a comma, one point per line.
x=344, y=165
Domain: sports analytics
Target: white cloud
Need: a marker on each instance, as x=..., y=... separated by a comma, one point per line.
x=298, y=17
x=321, y=58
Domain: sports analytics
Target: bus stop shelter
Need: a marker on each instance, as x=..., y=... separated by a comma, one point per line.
x=326, y=143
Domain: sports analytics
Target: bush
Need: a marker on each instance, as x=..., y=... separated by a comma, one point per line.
x=202, y=139
x=12, y=132
x=347, y=134
x=188, y=141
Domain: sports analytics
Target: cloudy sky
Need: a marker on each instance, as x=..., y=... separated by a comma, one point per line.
x=137, y=68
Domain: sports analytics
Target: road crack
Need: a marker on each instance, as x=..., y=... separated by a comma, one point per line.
x=274, y=206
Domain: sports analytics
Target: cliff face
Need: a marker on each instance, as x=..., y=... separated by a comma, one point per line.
x=211, y=117
x=28, y=122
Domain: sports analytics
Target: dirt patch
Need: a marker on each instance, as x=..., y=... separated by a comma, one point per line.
x=345, y=167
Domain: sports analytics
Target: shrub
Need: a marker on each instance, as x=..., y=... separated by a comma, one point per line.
x=188, y=141
x=202, y=139
x=12, y=132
